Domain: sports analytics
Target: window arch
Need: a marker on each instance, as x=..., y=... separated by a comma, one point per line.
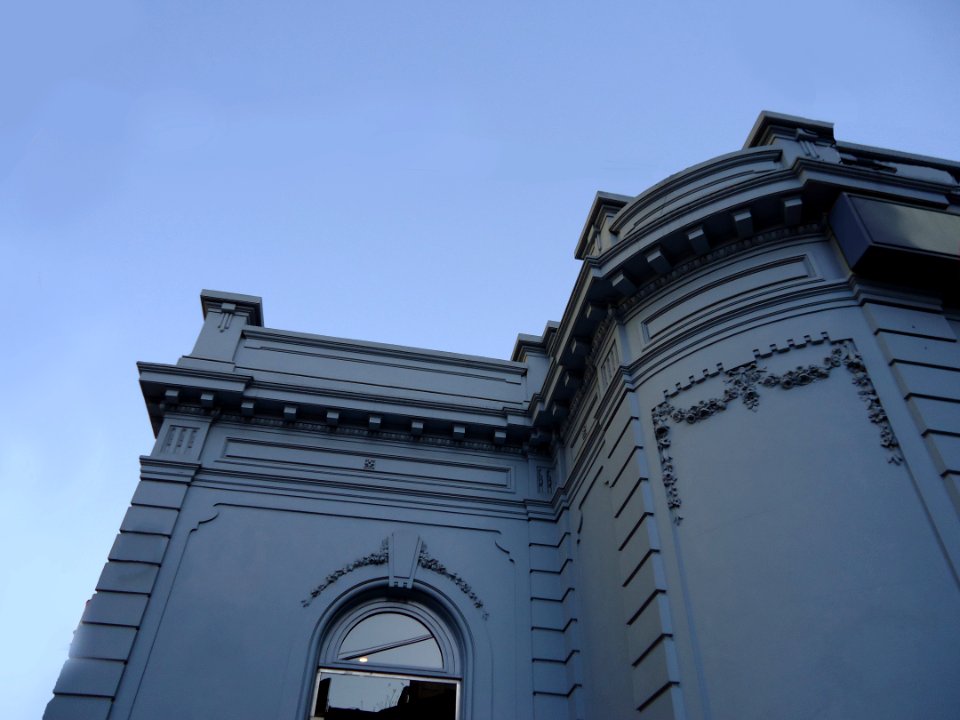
x=388, y=659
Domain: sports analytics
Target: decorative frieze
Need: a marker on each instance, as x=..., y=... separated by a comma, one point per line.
x=711, y=257
x=496, y=444
x=428, y=562
x=744, y=383
x=179, y=440
x=382, y=557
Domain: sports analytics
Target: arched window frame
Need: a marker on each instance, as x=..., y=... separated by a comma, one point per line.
x=443, y=630
x=449, y=648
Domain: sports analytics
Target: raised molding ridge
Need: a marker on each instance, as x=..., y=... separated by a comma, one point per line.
x=690, y=176
x=388, y=350
x=864, y=179
x=168, y=465
x=739, y=192
x=179, y=371
x=899, y=156
x=257, y=387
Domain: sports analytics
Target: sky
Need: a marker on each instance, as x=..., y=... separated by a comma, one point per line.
x=405, y=172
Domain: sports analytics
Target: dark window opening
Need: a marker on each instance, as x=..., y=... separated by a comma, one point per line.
x=343, y=695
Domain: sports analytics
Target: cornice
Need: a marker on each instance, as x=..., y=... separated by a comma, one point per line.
x=681, y=270
x=708, y=212
x=878, y=183
x=283, y=392
x=241, y=398
x=778, y=189
x=357, y=431
x=688, y=180
x=898, y=156
x=192, y=376
x=689, y=214
x=680, y=211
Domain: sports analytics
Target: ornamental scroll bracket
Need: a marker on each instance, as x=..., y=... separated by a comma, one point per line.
x=744, y=383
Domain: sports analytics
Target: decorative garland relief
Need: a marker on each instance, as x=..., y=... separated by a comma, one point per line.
x=382, y=557
x=428, y=562
x=379, y=557
x=744, y=382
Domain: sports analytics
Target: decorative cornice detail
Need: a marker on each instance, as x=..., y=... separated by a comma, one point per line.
x=744, y=383
x=623, y=308
x=718, y=253
x=645, y=206
x=591, y=361
x=345, y=430
x=428, y=562
x=380, y=557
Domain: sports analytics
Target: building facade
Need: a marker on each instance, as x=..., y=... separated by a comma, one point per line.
x=724, y=485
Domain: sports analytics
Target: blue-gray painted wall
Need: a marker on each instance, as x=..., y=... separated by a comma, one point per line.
x=724, y=485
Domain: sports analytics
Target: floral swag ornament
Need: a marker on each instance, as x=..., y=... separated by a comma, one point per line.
x=743, y=383
x=382, y=557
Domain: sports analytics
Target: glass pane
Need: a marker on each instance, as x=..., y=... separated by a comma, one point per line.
x=391, y=638
x=352, y=696
x=425, y=654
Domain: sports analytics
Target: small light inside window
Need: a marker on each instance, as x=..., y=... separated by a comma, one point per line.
x=362, y=659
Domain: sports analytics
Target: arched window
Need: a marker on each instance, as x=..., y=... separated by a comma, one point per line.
x=388, y=659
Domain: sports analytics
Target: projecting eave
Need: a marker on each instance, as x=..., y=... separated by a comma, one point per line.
x=896, y=156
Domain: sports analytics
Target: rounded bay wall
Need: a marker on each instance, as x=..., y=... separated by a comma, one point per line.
x=796, y=545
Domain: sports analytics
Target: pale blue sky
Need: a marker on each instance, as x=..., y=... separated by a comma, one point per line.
x=415, y=173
